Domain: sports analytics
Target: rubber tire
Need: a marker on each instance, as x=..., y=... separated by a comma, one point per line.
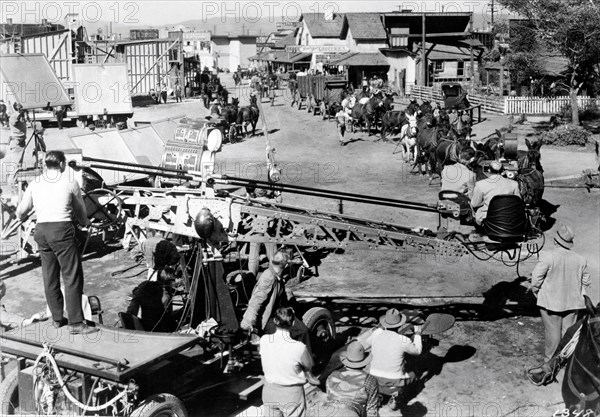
x=159, y=403
x=310, y=319
x=91, y=180
x=9, y=393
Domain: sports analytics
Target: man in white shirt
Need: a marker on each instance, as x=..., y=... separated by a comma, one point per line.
x=459, y=177
x=389, y=350
x=56, y=197
x=490, y=187
x=284, y=362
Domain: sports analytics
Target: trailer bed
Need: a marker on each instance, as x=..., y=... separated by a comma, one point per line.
x=112, y=353
x=372, y=276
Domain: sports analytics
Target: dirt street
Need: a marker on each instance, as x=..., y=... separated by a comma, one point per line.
x=478, y=367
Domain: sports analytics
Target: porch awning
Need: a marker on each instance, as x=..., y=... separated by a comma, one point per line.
x=301, y=57
x=363, y=59
x=281, y=57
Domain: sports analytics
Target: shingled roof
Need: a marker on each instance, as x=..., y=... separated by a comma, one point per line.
x=321, y=28
x=366, y=26
x=289, y=39
x=359, y=59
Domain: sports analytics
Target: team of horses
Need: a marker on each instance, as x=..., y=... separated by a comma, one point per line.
x=236, y=119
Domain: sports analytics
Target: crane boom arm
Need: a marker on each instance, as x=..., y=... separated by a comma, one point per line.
x=256, y=221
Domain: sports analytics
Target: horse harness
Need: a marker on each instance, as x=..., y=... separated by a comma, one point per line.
x=593, y=377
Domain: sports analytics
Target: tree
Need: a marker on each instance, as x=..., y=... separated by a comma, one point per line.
x=571, y=28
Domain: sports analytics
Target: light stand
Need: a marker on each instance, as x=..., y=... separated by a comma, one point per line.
x=39, y=145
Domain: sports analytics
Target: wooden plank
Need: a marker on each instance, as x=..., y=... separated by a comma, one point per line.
x=61, y=42
x=245, y=394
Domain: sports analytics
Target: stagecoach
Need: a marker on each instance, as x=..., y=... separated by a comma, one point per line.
x=320, y=92
x=455, y=97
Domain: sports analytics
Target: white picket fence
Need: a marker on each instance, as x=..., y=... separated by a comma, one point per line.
x=544, y=105
x=509, y=105
x=489, y=104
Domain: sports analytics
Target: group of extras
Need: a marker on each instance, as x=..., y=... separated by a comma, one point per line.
x=373, y=364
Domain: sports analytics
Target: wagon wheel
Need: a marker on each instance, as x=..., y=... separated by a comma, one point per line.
x=104, y=208
x=9, y=394
x=321, y=329
x=232, y=133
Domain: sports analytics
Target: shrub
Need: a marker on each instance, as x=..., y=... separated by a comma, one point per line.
x=566, y=135
x=590, y=112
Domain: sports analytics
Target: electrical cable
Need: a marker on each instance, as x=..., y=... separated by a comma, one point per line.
x=51, y=361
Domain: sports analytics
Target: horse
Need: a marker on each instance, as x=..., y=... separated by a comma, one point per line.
x=427, y=139
x=366, y=109
x=530, y=157
x=249, y=115
x=229, y=113
x=581, y=382
x=413, y=107
x=531, y=178
x=388, y=102
x=425, y=108
x=392, y=120
x=579, y=350
x=447, y=152
x=408, y=138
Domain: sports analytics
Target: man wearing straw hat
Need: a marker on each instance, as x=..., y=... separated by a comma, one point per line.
x=389, y=350
x=351, y=391
x=559, y=282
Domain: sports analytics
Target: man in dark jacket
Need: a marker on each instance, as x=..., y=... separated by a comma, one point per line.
x=154, y=299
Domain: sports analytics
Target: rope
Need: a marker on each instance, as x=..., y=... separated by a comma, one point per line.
x=46, y=354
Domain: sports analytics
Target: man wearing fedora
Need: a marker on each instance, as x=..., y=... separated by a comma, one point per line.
x=559, y=282
x=285, y=362
x=351, y=391
x=490, y=187
x=389, y=350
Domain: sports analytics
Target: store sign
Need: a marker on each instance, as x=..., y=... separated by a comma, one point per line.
x=265, y=45
x=317, y=49
x=328, y=57
x=196, y=36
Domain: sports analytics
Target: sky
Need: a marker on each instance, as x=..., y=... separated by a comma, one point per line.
x=159, y=13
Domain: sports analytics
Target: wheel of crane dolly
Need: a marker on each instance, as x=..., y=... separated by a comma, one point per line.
x=214, y=140
x=9, y=394
x=160, y=405
x=103, y=206
x=321, y=329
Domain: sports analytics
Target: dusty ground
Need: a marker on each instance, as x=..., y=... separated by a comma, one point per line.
x=478, y=366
